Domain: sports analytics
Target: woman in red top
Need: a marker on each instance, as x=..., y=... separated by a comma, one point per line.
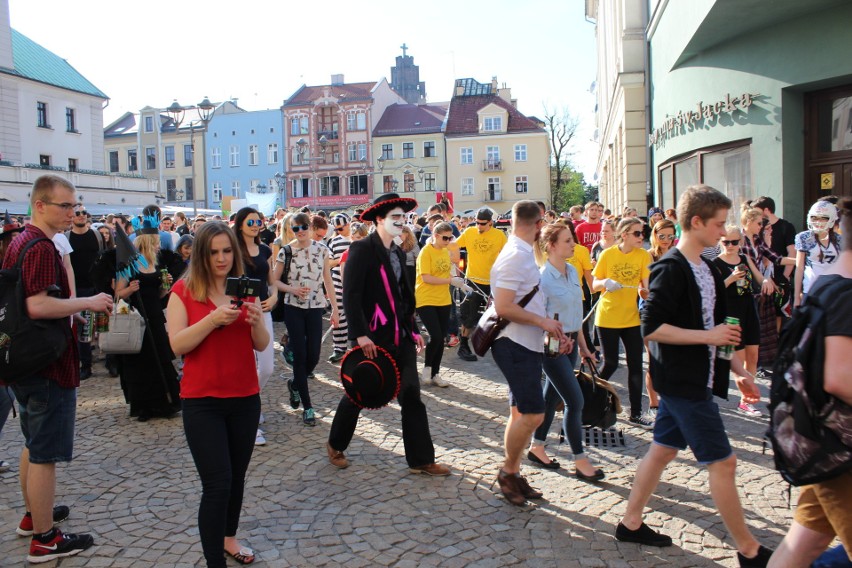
x=221, y=401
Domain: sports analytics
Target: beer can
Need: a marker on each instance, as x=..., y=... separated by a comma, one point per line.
x=86, y=328
x=101, y=322
x=726, y=352
x=164, y=278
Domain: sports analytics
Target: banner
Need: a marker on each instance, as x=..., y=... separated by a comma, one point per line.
x=263, y=202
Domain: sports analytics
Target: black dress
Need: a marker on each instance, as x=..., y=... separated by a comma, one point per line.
x=145, y=384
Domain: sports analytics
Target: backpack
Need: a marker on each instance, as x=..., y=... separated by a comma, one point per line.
x=810, y=430
x=278, y=311
x=26, y=345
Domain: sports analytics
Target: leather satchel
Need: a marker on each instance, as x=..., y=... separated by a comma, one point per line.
x=125, y=335
x=602, y=405
x=490, y=325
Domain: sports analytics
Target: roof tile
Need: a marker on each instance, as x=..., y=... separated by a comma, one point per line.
x=462, y=119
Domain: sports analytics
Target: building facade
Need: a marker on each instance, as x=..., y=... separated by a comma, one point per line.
x=495, y=155
x=405, y=79
x=751, y=99
x=621, y=93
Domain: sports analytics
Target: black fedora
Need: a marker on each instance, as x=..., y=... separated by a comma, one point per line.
x=384, y=203
x=369, y=383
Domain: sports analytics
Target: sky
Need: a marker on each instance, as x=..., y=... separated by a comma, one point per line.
x=261, y=51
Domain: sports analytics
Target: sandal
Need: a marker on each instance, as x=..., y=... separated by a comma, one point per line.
x=244, y=556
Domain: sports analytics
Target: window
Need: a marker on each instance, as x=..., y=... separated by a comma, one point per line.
x=429, y=150
x=235, y=188
x=131, y=160
x=356, y=121
x=467, y=186
x=41, y=113
x=328, y=125
x=492, y=124
x=467, y=155
x=429, y=182
x=252, y=154
x=70, y=120
x=189, y=187
x=149, y=124
x=72, y=164
x=387, y=183
x=492, y=154
x=521, y=184
x=44, y=160
x=170, y=156
x=234, y=156
x=407, y=182
x=187, y=155
x=298, y=125
x=387, y=151
x=362, y=151
x=301, y=188
x=253, y=185
x=520, y=152
x=408, y=149
x=113, y=161
x=296, y=158
x=352, y=149
x=217, y=192
x=335, y=157
x=151, y=158
x=215, y=157
x=358, y=185
x=171, y=186
x=493, y=193
x=272, y=154
x=329, y=185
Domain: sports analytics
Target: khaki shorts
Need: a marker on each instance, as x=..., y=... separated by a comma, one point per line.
x=825, y=508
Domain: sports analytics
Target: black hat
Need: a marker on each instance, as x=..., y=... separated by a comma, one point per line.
x=485, y=214
x=369, y=383
x=384, y=203
x=10, y=226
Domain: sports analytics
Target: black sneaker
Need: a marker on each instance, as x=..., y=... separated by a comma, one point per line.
x=336, y=356
x=60, y=545
x=85, y=373
x=295, y=399
x=641, y=422
x=759, y=561
x=25, y=528
x=465, y=353
x=643, y=535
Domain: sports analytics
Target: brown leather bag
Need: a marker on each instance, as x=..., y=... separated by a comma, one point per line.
x=490, y=325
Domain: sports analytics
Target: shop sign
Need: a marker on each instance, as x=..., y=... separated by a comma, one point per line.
x=826, y=181
x=689, y=120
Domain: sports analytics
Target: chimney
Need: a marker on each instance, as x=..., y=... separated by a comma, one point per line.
x=505, y=93
x=6, y=59
x=337, y=79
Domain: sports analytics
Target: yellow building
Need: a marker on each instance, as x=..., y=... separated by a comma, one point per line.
x=495, y=155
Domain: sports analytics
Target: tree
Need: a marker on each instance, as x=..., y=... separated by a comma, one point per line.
x=573, y=191
x=562, y=127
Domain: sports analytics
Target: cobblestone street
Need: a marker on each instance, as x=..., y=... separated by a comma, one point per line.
x=134, y=486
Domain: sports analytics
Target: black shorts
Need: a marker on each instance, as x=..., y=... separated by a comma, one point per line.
x=473, y=304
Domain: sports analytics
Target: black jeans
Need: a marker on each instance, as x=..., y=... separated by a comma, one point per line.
x=415, y=423
x=631, y=337
x=436, y=319
x=304, y=327
x=220, y=433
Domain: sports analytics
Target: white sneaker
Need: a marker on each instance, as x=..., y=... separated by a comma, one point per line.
x=748, y=410
x=439, y=382
x=259, y=440
x=426, y=377
x=262, y=419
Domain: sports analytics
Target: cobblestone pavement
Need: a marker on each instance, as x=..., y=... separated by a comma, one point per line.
x=133, y=485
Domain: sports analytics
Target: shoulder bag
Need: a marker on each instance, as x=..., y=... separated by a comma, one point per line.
x=490, y=325
x=125, y=334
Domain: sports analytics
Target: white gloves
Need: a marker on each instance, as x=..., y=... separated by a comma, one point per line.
x=611, y=285
x=459, y=283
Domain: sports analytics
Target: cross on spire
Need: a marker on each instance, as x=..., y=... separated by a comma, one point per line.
x=403, y=47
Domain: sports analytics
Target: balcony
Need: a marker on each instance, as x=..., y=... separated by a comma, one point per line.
x=329, y=134
x=492, y=195
x=492, y=165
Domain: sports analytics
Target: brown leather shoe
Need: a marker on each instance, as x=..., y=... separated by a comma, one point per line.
x=433, y=469
x=511, y=488
x=528, y=491
x=336, y=458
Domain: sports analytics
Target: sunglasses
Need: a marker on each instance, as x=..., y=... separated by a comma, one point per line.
x=637, y=234
x=254, y=223
x=80, y=213
x=299, y=228
x=447, y=238
x=733, y=243
x=482, y=222
x=666, y=237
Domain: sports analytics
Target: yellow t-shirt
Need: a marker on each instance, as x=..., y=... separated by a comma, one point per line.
x=619, y=309
x=437, y=263
x=482, y=251
x=581, y=261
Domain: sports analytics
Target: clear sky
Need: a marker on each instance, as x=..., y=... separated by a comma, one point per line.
x=261, y=51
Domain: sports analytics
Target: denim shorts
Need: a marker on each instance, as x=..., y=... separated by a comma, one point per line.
x=682, y=422
x=47, y=415
x=522, y=369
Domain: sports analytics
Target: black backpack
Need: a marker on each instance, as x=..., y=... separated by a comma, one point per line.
x=810, y=430
x=26, y=345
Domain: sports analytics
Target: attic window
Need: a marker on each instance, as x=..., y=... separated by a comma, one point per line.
x=492, y=124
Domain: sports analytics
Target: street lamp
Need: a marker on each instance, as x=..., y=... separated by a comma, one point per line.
x=177, y=112
x=302, y=149
x=281, y=180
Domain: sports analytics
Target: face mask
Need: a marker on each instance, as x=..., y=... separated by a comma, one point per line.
x=394, y=228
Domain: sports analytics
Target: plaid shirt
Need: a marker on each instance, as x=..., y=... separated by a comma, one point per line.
x=39, y=273
x=758, y=250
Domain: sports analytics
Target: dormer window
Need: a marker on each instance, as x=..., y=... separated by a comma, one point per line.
x=492, y=124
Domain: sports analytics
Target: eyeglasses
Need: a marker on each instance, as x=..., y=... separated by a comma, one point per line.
x=254, y=223
x=80, y=213
x=299, y=228
x=637, y=234
x=447, y=238
x=65, y=206
x=733, y=243
x=666, y=237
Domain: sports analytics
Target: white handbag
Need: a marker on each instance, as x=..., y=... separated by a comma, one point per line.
x=125, y=334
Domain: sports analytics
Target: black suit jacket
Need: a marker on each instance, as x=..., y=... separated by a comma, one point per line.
x=365, y=294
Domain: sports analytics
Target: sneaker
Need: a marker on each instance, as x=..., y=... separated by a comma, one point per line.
x=60, y=513
x=453, y=341
x=262, y=419
x=465, y=354
x=295, y=399
x=336, y=356
x=4, y=465
x=652, y=412
x=60, y=545
x=641, y=421
x=85, y=373
x=309, y=418
x=259, y=440
x=439, y=382
x=425, y=377
x=643, y=535
x=759, y=561
x=748, y=409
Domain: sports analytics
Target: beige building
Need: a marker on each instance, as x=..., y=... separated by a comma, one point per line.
x=495, y=155
x=622, y=131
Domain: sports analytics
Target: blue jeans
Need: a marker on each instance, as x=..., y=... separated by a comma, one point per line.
x=47, y=415
x=304, y=326
x=562, y=385
x=522, y=369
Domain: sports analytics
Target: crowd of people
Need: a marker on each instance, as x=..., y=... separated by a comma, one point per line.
x=394, y=283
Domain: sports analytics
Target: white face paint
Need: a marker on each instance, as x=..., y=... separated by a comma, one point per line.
x=394, y=221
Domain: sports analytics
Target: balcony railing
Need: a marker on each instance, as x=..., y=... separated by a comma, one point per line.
x=492, y=165
x=492, y=195
x=329, y=134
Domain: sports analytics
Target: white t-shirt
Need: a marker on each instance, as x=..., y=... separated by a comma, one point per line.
x=60, y=241
x=707, y=286
x=817, y=257
x=515, y=269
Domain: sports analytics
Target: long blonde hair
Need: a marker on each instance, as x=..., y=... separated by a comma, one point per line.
x=148, y=246
x=656, y=251
x=199, y=276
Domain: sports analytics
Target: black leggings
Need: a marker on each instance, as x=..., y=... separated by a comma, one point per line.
x=220, y=433
x=631, y=337
x=437, y=320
